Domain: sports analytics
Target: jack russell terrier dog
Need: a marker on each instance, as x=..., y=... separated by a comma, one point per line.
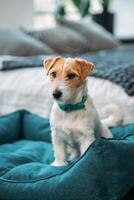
x=74, y=121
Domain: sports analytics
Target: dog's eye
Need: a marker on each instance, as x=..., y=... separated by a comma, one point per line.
x=71, y=75
x=53, y=74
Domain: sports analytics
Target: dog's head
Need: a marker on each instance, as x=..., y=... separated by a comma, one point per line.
x=67, y=75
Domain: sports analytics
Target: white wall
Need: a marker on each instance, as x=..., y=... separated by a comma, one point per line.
x=124, y=10
x=16, y=13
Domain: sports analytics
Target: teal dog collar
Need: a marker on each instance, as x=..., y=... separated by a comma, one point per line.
x=73, y=107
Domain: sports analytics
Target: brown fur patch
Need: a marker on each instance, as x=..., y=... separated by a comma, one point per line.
x=49, y=63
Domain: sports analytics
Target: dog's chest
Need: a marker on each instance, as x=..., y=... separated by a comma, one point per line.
x=67, y=122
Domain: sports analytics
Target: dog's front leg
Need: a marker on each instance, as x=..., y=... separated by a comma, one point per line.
x=86, y=141
x=59, y=150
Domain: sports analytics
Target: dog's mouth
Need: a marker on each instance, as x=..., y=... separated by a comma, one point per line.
x=60, y=98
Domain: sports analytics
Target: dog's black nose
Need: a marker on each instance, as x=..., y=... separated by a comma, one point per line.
x=57, y=94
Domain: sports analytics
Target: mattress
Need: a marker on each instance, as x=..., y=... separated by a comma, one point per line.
x=30, y=89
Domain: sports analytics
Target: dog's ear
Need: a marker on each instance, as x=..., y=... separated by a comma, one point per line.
x=85, y=66
x=49, y=63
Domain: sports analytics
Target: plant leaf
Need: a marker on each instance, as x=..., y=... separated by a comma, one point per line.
x=84, y=7
x=77, y=3
x=60, y=12
x=105, y=4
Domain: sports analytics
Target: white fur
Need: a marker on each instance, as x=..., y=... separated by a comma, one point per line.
x=73, y=132
x=115, y=115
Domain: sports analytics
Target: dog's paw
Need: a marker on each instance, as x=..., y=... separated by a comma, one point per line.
x=58, y=163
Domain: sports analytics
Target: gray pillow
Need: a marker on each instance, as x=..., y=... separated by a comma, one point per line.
x=96, y=36
x=62, y=39
x=13, y=41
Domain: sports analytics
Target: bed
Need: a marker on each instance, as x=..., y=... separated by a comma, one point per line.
x=104, y=171
x=27, y=86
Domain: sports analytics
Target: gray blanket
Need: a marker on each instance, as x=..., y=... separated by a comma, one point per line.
x=116, y=65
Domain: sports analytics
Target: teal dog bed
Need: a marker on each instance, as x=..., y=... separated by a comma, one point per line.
x=104, y=172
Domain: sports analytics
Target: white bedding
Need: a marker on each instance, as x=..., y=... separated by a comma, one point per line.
x=29, y=89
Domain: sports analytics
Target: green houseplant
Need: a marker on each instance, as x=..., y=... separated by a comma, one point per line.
x=81, y=5
x=105, y=18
